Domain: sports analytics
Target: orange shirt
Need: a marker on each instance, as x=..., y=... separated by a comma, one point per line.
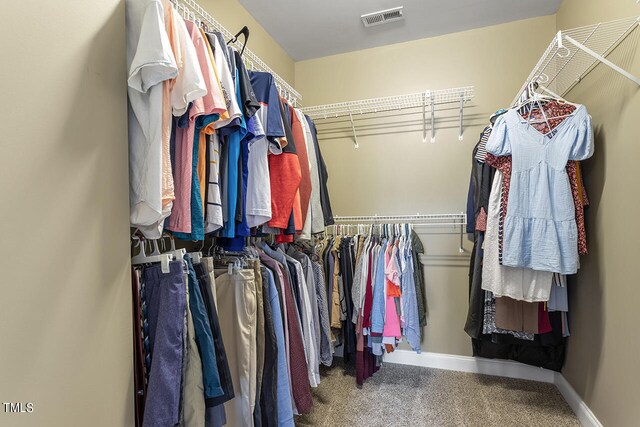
x=304, y=192
x=392, y=272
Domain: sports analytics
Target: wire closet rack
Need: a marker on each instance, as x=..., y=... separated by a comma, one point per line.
x=456, y=221
x=252, y=61
x=572, y=54
x=427, y=99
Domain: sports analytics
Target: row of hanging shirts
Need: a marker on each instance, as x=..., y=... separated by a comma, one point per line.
x=391, y=229
x=213, y=147
x=375, y=290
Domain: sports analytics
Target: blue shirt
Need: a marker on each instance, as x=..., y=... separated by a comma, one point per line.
x=378, y=307
x=412, y=328
x=267, y=94
x=285, y=411
x=234, y=139
x=204, y=337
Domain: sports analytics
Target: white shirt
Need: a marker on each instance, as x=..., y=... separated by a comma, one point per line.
x=150, y=61
x=259, y=179
x=316, y=217
x=521, y=284
x=213, y=216
x=308, y=330
x=190, y=84
x=226, y=83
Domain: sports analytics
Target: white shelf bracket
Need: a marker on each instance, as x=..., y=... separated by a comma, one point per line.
x=424, y=116
x=460, y=135
x=600, y=58
x=433, y=119
x=353, y=128
x=461, y=249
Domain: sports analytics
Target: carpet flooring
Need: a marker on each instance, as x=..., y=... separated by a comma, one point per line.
x=400, y=395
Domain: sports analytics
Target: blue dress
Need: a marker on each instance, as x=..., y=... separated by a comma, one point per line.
x=540, y=230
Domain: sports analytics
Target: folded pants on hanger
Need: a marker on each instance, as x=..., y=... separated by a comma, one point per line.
x=237, y=308
x=166, y=301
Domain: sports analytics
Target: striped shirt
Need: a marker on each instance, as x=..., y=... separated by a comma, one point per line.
x=482, y=146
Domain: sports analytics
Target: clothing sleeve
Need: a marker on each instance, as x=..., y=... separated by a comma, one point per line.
x=258, y=128
x=250, y=103
x=471, y=223
x=190, y=84
x=274, y=128
x=153, y=61
x=583, y=147
x=498, y=143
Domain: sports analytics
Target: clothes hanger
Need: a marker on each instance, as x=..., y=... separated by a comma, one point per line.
x=143, y=258
x=211, y=247
x=553, y=97
x=177, y=253
x=196, y=257
x=537, y=99
x=245, y=32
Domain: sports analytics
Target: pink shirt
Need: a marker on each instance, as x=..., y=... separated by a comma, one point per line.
x=212, y=102
x=180, y=219
x=392, y=320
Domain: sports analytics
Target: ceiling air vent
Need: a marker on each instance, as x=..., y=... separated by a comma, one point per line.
x=382, y=17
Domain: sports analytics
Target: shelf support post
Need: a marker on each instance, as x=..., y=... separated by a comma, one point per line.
x=602, y=59
x=424, y=116
x=460, y=135
x=353, y=128
x=433, y=119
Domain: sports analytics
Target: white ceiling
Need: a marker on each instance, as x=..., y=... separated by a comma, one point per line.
x=314, y=28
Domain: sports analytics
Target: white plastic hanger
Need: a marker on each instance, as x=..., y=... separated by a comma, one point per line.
x=177, y=253
x=196, y=257
x=143, y=258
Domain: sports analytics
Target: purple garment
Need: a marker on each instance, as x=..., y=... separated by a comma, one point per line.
x=167, y=303
x=215, y=416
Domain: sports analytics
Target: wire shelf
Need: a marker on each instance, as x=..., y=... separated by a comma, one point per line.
x=572, y=54
x=438, y=220
x=390, y=103
x=252, y=61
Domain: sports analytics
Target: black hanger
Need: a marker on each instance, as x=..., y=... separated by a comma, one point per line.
x=245, y=32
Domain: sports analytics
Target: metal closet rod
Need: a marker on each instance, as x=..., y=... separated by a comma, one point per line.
x=574, y=53
x=428, y=219
x=418, y=220
x=251, y=59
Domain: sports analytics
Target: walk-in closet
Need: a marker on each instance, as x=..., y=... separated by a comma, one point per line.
x=285, y=214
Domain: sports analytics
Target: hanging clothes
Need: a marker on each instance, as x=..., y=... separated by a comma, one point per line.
x=541, y=234
x=150, y=61
x=215, y=152
x=508, y=299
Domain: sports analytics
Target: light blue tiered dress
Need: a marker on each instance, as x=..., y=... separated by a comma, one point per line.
x=540, y=229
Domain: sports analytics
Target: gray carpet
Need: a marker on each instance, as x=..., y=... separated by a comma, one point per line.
x=399, y=395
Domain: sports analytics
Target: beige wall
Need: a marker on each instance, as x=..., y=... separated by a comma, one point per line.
x=396, y=173
x=65, y=330
x=65, y=333
x=233, y=16
x=602, y=362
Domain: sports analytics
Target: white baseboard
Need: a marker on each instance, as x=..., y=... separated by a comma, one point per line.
x=584, y=414
x=501, y=368
x=496, y=367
